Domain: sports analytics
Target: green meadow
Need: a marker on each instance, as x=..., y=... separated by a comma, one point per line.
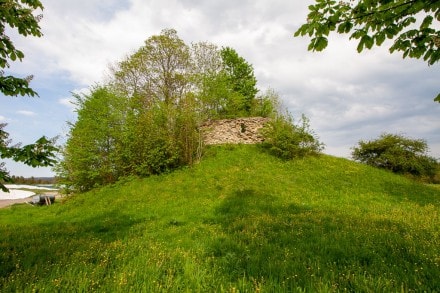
x=241, y=220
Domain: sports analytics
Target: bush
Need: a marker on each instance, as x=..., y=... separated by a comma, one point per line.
x=286, y=140
x=398, y=154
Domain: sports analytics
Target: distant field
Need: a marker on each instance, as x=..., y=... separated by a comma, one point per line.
x=240, y=221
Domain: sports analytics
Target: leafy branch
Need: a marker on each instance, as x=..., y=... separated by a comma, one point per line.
x=17, y=15
x=372, y=22
x=39, y=154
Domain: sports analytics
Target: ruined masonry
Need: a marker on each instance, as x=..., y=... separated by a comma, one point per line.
x=234, y=131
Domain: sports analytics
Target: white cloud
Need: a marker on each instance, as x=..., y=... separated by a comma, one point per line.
x=67, y=102
x=347, y=96
x=2, y=118
x=26, y=113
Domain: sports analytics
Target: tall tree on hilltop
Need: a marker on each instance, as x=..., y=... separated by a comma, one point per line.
x=210, y=82
x=169, y=58
x=166, y=69
x=157, y=71
x=240, y=76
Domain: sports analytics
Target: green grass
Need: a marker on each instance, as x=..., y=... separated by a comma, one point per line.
x=240, y=221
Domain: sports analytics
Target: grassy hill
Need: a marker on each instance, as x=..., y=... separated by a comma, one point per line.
x=240, y=221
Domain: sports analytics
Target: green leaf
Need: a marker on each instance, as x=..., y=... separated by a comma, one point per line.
x=366, y=41
x=357, y=34
x=20, y=54
x=345, y=27
x=435, y=57
x=318, y=44
x=437, y=99
x=323, y=30
x=426, y=22
x=407, y=21
x=302, y=30
x=333, y=19
x=369, y=41
x=391, y=31
x=380, y=38
x=428, y=54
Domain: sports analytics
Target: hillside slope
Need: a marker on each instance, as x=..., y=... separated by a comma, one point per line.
x=239, y=221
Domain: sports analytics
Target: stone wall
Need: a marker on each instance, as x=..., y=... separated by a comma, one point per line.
x=239, y=130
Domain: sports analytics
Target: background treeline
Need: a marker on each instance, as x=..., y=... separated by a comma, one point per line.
x=32, y=180
x=145, y=119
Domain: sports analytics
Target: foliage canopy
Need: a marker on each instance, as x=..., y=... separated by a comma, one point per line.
x=147, y=119
x=372, y=22
x=412, y=24
x=398, y=154
x=19, y=15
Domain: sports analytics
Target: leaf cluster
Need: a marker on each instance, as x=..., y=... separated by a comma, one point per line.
x=13, y=86
x=240, y=75
x=288, y=140
x=39, y=154
x=167, y=69
x=117, y=136
x=371, y=22
x=17, y=14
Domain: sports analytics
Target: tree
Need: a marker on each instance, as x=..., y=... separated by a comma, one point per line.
x=209, y=85
x=16, y=14
x=241, y=79
x=92, y=152
x=146, y=120
x=413, y=24
x=168, y=58
x=115, y=136
x=396, y=153
x=166, y=69
x=157, y=71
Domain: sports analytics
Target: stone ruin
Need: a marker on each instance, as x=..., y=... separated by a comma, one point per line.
x=233, y=131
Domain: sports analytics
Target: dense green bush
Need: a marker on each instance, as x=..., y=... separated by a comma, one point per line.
x=152, y=148
x=287, y=140
x=116, y=137
x=398, y=154
x=91, y=153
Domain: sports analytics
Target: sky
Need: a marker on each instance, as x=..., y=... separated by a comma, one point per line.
x=347, y=96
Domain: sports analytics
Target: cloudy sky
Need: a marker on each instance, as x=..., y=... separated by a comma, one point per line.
x=347, y=96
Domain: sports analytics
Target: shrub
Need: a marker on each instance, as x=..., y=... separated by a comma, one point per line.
x=287, y=140
x=398, y=154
